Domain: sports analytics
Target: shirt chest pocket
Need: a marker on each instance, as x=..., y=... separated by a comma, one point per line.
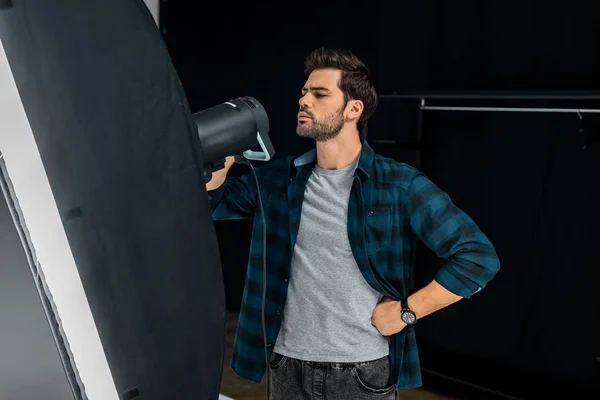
x=379, y=226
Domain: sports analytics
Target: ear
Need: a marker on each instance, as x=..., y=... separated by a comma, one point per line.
x=354, y=109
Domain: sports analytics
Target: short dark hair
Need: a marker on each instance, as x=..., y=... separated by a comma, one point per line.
x=356, y=82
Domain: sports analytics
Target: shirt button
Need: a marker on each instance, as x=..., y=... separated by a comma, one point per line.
x=269, y=345
x=278, y=312
x=371, y=212
x=285, y=280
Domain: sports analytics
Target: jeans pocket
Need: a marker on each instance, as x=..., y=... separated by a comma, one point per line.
x=277, y=361
x=374, y=376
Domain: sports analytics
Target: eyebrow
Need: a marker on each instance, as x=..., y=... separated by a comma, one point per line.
x=317, y=88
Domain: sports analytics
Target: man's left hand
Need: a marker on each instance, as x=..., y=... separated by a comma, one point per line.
x=386, y=317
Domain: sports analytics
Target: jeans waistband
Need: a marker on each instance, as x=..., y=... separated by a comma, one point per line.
x=339, y=365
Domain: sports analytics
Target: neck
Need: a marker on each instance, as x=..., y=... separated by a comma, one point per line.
x=339, y=152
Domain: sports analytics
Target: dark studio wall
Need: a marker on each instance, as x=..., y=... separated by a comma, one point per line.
x=523, y=177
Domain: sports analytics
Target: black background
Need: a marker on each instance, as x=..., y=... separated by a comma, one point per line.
x=523, y=177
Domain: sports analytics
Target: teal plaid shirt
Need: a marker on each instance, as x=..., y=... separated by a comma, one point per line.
x=391, y=206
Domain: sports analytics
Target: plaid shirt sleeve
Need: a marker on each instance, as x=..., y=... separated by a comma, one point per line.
x=235, y=198
x=471, y=260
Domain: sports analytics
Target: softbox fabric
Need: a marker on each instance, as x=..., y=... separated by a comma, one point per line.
x=114, y=131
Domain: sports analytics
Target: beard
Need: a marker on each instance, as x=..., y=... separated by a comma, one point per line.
x=322, y=129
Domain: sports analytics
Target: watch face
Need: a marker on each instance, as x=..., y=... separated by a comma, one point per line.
x=409, y=317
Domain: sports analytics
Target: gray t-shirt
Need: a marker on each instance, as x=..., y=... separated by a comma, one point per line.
x=327, y=315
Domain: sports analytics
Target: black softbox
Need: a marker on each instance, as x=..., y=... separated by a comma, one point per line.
x=122, y=157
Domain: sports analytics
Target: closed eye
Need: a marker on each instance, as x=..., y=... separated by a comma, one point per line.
x=318, y=91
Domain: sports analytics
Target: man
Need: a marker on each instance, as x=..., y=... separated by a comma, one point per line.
x=341, y=224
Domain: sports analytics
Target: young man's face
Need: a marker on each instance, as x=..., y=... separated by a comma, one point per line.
x=321, y=114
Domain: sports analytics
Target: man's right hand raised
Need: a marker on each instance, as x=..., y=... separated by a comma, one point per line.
x=218, y=177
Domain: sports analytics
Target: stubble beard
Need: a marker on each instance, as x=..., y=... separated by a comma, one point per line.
x=322, y=129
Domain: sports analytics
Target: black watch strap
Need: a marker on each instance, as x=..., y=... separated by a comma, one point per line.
x=408, y=316
x=403, y=304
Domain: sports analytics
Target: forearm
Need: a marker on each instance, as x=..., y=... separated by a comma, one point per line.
x=218, y=177
x=431, y=298
x=216, y=181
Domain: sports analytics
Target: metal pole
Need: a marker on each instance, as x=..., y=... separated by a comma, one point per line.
x=556, y=95
x=514, y=109
x=420, y=131
x=413, y=261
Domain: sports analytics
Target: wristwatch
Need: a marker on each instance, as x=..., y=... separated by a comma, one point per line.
x=407, y=315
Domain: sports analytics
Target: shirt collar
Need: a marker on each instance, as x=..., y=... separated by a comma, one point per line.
x=365, y=161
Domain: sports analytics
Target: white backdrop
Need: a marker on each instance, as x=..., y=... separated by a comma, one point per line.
x=154, y=7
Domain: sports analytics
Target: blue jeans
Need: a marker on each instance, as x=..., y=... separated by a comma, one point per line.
x=293, y=379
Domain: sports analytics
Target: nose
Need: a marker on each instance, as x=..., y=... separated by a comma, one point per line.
x=303, y=103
